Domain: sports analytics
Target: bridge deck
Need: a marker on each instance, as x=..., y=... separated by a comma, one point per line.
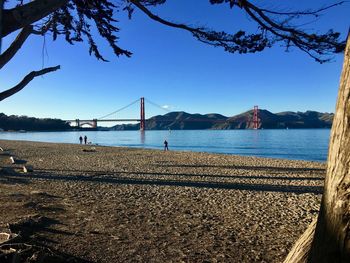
x=107, y=120
x=162, y=120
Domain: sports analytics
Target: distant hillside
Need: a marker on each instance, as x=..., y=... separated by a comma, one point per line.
x=282, y=120
x=268, y=120
x=186, y=121
x=17, y=123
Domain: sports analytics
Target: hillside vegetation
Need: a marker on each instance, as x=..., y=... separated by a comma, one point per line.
x=268, y=120
x=16, y=123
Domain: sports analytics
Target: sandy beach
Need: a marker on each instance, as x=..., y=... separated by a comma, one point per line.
x=110, y=204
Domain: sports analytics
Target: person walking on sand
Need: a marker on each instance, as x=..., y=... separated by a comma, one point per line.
x=81, y=139
x=166, y=146
x=85, y=139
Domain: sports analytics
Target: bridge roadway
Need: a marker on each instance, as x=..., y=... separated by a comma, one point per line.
x=160, y=119
x=106, y=120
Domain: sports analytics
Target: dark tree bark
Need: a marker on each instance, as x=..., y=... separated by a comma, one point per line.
x=15, y=46
x=21, y=16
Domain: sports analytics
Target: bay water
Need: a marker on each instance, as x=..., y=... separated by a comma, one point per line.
x=297, y=144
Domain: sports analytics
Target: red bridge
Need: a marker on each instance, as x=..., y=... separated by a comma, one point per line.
x=142, y=120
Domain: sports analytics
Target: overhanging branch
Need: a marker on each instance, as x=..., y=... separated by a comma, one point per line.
x=7, y=93
x=27, y=14
x=161, y=20
x=15, y=46
x=318, y=46
x=238, y=42
x=304, y=13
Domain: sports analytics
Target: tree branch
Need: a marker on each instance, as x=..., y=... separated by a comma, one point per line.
x=1, y=26
x=314, y=45
x=305, y=13
x=7, y=93
x=161, y=20
x=15, y=46
x=318, y=46
x=21, y=16
x=44, y=28
x=238, y=42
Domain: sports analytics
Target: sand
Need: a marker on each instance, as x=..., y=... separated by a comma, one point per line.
x=113, y=204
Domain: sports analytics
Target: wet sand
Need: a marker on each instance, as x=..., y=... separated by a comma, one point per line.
x=111, y=204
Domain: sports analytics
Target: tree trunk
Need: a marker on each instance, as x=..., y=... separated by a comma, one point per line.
x=331, y=241
x=301, y=249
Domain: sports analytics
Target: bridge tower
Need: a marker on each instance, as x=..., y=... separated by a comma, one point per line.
x=77, y=122
x=142, y=115
x=94, y=123
x=255, y=118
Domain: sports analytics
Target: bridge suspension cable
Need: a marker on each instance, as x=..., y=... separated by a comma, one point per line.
x=123, y=108
x=156, y=105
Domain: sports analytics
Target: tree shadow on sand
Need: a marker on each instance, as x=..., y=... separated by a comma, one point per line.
x=8, y=175
x=207, y=176
x=132, y=178
x=240, y=167
x=22, y=245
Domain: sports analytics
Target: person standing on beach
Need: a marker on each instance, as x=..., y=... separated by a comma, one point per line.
x=85, y=139
x=166, y=146
x=81, y=139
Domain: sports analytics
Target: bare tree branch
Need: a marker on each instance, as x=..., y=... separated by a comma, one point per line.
x=7, y=93
x=15, y=46
x=161, y=20
x=238, y=42
x=316, y=46
x=24, y=15
x=304, y=13
x=43, y=28
x=319, y=47
x=1, y=26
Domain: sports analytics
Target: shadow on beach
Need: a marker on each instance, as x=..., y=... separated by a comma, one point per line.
x=254, y=168
x=9, y=176
x=115, y=178
x=26, y=244
x=207, y=176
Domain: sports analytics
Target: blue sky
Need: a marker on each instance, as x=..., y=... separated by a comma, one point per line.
x=169, y=67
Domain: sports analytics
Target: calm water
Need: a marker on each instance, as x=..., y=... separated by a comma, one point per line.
x=308, y=144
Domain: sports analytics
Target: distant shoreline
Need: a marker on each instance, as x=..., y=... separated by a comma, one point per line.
x=105, y=130
x=183, y=121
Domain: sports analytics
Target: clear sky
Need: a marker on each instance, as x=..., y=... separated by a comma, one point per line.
x=171, y=68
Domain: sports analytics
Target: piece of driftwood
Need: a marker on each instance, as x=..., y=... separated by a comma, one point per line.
x=4, y=237
x=27, y=168
x=92, y=149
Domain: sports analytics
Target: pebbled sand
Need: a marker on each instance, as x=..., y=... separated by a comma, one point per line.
x=135, y=205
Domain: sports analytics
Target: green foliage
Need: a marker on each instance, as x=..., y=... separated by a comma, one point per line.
x=16, y=123
x=76, y=20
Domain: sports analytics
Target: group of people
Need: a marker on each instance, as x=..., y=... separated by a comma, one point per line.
x=166, y=148
x=81, y=139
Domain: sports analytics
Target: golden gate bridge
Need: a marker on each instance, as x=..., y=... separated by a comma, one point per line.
x=142, y=120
